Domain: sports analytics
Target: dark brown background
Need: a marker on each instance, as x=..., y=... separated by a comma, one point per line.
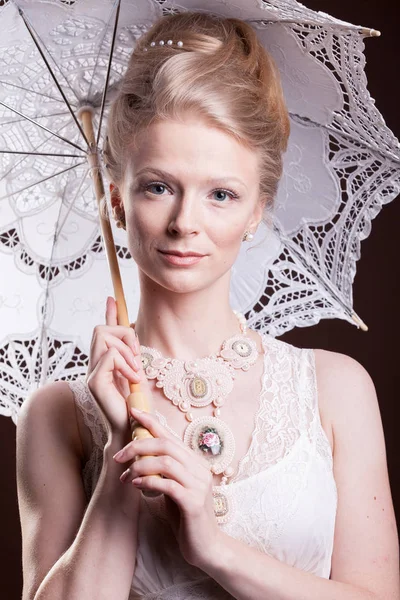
x=376, y=290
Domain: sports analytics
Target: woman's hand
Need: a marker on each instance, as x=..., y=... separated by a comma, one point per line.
x=187, y=485
x=112, y=365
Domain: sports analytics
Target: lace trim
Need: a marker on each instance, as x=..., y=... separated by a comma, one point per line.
x=91, y=412
x=322, y=443
x=94, y=421
x=279, y=421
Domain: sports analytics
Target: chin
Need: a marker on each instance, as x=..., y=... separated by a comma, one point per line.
x=184, y=284
x=181, y=282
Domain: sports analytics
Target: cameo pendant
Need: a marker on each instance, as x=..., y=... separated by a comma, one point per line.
x=212, y=439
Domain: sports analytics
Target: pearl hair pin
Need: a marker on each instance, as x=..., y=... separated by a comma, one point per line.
x=162, y=43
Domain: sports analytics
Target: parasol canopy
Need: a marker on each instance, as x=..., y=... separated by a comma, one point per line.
x=60, y=59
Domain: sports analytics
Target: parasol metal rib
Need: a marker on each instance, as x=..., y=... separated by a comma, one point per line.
x=344, y=134
x=137, y=398
x=40, y=154
x=59, y=226
x=327, y=285
x=103, y=100
x=367, y=31
x=42, y=127
x=33, y=36
x=42, y=180
x=12, y=122
x=20, y=87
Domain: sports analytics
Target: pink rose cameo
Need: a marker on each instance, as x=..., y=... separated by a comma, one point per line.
x=210, y=441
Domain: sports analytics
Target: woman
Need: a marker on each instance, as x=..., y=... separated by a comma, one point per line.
x=259, y=443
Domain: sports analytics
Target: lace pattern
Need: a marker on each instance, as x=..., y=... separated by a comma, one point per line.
x=341, y=167
x=284, y=415
x=93, y=420
x=284, y=490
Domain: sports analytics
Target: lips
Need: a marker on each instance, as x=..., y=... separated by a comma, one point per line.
x=181, y=259
x=178, y=253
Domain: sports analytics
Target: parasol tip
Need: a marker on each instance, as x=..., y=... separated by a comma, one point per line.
x=370, y=32
x=359, y=322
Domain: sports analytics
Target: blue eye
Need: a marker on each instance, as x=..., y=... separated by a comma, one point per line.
x=226, y=192
x=156, y=184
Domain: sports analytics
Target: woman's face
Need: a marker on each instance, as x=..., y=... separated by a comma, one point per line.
x=189, y=188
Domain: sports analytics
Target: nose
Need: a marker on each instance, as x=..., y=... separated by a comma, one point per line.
x=185, y=216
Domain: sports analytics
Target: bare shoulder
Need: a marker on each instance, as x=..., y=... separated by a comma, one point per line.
x=52, y=407
x=51, y=495
x=344, y=387
x=366, y=547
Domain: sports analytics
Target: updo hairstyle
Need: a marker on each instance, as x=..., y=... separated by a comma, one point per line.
x=221, y=73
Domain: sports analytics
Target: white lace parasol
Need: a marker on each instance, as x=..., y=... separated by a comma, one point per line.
x=342, y=165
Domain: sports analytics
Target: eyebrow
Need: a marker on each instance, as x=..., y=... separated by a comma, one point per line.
x=161, y=173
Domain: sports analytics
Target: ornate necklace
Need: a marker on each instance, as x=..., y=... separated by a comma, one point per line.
x=198, y=383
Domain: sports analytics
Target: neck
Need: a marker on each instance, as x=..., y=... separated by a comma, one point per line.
x=185, y=325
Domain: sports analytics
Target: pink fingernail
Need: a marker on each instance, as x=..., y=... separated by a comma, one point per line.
x=124, y=475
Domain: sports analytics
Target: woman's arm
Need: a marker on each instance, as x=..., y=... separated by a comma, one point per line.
x=365, y=561
x=70, y=551
x=100, y=562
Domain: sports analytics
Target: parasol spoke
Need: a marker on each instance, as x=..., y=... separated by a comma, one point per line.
x=35, y=117
x=21, y=160
x=88, y=95
x=33, y=35
x=43, y=127
x=42, y=180
x=20, y=87
x=57, y=230
x=329, y=288
x=348, y=136
x=70, y=206
x=367, y=31
x=40, y=153
x=103, y=100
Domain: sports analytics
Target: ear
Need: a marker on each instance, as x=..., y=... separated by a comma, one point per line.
x=256, y=216
x=116, y=200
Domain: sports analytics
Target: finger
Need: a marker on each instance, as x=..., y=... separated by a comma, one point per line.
x=156, y=446
x=113, y=361
x=111, y=311
x=113, y=342
x=152, y=424
x=165, y=486
x=166, y=466
x=126, y=334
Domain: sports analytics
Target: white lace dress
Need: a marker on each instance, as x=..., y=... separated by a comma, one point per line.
x=284, y=492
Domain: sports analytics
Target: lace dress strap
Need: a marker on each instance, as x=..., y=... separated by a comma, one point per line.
x=288, y=409
x=91, y=413
x=310, y=394
x=93, y=419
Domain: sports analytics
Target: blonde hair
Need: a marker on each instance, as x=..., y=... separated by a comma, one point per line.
x=222, y=73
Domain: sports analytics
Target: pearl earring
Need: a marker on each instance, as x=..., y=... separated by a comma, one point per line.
x=248, y=236
x=119, y=217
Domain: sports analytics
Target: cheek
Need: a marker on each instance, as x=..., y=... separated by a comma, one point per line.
x=226, y=233
x=144, y=227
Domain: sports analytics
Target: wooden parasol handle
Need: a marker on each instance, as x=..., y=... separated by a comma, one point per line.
x=136, y=398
